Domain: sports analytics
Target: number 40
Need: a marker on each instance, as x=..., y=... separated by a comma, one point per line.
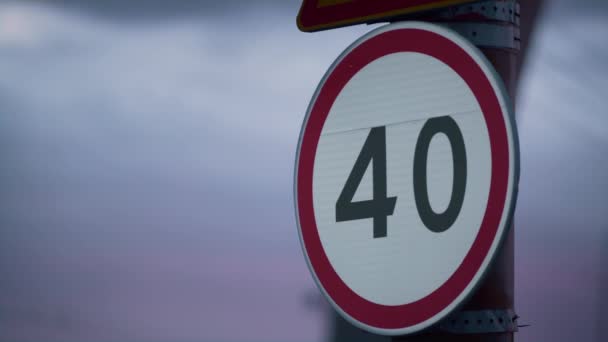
x=380, y=206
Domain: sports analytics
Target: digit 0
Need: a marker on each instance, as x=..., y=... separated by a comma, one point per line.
x=439, y=222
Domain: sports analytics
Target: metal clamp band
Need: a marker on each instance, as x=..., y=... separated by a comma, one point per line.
x=480, y=322
x=493, y=35
x=493, y=24
x=495, y=10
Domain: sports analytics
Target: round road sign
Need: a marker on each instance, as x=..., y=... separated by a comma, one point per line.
x=406, y=176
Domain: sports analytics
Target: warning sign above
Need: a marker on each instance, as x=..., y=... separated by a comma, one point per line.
x=317, y=15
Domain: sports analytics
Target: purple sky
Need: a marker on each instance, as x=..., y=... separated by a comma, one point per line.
x=146, y=173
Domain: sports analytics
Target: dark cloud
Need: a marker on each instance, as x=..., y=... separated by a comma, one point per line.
x=123, y=9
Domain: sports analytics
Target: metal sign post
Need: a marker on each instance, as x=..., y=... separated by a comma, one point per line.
x=494, y=27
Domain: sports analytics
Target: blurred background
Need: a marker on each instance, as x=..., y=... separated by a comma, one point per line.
x=146, y=162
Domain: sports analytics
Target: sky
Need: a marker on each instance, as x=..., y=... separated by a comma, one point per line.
x=146, y=165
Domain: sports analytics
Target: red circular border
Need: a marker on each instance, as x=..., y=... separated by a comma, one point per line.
x=448, y=52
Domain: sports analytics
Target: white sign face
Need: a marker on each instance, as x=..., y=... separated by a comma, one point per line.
x=405, y=179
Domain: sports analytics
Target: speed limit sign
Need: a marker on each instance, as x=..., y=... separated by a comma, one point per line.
x=406, y=176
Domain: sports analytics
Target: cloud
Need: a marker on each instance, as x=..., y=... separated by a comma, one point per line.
x=560, y=222
x=147, y=174
x=154, y=9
